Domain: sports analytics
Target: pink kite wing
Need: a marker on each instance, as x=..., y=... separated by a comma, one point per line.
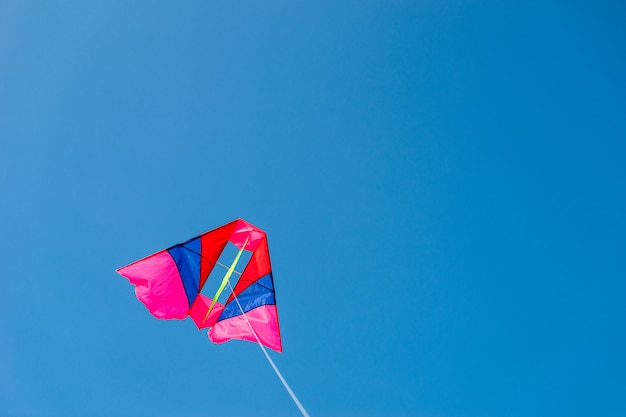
x=169, y=283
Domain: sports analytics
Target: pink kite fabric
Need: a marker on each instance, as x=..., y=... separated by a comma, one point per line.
x=169, y=283
x=158, y=285
x=263, y=319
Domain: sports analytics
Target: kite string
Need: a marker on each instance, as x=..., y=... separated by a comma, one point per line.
x=280, y=376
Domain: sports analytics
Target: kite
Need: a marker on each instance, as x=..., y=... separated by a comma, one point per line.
x=169, y=284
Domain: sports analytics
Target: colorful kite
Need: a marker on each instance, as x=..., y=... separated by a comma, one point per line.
x=169, y=283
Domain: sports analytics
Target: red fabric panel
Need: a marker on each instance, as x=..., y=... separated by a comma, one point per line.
x=212, y=244
x=198, y=312
x=258, y=266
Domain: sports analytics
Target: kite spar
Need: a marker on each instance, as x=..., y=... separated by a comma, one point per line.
x=169, y=284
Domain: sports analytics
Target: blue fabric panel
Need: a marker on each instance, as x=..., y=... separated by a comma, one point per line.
x=258, y=294
x=187, y=258
x=266, y=281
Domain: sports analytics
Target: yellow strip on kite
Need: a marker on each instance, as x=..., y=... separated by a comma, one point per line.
x=230, y=271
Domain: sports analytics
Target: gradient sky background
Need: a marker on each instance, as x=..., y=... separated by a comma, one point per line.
x=443, y=184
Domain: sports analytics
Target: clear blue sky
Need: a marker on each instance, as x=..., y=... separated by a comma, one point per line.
x=443, y=184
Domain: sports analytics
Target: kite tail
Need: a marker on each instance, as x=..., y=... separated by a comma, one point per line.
x=280, y=376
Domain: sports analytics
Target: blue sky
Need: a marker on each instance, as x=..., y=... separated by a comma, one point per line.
x=442, y=184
